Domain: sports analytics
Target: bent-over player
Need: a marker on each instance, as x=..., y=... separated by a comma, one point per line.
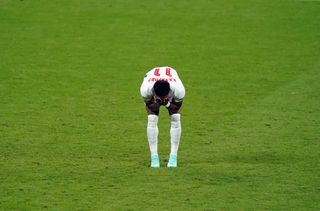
x=162, y=87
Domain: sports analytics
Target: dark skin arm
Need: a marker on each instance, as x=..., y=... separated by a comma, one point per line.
x=174, y=107
x=153, y=105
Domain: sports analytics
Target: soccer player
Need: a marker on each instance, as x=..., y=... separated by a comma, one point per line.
x=162, y=87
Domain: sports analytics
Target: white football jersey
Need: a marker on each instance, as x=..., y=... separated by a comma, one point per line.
x=177, y=91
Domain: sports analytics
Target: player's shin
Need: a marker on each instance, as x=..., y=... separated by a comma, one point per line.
x=175, y=133
x=152, y=132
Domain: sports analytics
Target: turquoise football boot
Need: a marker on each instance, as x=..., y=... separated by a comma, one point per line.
x=172, y=161
x=155, y=163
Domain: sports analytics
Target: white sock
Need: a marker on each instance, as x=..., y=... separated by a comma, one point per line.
x=175, y=133
x=152, y=132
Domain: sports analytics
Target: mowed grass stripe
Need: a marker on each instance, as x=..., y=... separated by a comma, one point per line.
x=73, y=124
x=271, y=147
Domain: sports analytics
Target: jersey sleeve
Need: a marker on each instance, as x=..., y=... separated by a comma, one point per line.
x=179, y=91
x=146, y=90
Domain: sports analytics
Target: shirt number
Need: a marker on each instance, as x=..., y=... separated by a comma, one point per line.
x=157, y=73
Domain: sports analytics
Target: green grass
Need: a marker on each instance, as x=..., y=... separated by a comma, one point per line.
x=73, y=124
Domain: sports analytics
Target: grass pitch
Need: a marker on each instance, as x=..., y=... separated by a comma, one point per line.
x=73, y=125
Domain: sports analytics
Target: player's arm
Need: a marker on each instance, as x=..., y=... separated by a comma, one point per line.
x=152, y=106
x=146, y=91
x=147, y=99
x=176, y=103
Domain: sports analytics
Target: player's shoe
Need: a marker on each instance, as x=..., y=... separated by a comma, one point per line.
x=172, y=161
x=155, y=163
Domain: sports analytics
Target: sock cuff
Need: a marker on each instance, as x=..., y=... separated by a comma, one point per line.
x=175, y=117
x=152, y=120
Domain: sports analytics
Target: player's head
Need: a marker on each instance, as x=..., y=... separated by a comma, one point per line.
x=161, y=88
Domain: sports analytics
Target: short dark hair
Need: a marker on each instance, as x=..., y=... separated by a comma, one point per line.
x=161, y=88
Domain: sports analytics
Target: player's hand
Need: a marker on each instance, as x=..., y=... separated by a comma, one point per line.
x=161, y=101
x=164, y=101
x=152, y=105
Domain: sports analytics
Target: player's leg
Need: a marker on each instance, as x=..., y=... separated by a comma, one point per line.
x=175, y=132
x=152, y=133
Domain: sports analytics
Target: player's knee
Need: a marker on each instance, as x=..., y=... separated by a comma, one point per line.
x=152, y=120
x=175, y=120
